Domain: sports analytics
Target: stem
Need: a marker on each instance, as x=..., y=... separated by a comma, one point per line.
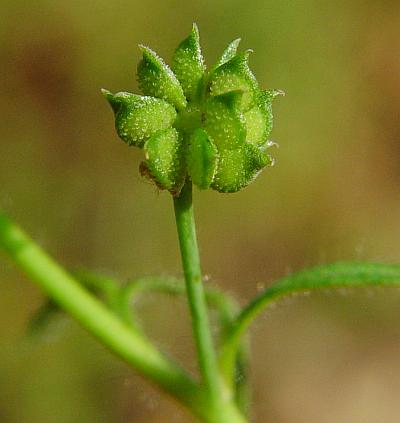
x=115, y=334
x=195, y=292
x=331, y=276
x=94, y=316
x=225, y=306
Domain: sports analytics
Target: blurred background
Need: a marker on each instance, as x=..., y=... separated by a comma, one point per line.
x=333, y=195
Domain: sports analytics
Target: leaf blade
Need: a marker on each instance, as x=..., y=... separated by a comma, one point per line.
x=331, y=276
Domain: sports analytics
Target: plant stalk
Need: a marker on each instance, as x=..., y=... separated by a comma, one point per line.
x=62, y=288
x=206, y=402
x=207, y=359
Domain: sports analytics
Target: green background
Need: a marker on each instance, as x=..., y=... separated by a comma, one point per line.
x=333, y=195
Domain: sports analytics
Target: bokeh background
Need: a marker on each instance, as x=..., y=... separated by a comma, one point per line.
x=333, y=195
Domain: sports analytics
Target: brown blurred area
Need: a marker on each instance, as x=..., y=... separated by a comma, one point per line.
x=333, y=195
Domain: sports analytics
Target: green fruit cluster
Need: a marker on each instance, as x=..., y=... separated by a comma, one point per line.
x=211, y=126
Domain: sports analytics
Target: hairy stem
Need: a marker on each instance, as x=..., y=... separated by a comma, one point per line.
x=224, y=305
x=332, y=276
x=195, y=292
x=205, y=402
x=63, y=289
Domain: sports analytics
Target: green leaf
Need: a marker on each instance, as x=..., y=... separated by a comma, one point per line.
x=202, y=159
x=188, y=63
x=157, y=79
x=229, y=52
x=237, y=168
x=137, y=118
x=331, y=276
x=164, y=160
x=224, y=122
x=233, y=75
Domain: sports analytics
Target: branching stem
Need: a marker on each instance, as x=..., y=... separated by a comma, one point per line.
x=327, y=277
x=93, y=315
x=207, y=401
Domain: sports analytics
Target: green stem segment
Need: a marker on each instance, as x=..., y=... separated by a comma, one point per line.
x=224, y=305
x=195, y=292
x=331, y=276
x=204, y=401
x=95, y=317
